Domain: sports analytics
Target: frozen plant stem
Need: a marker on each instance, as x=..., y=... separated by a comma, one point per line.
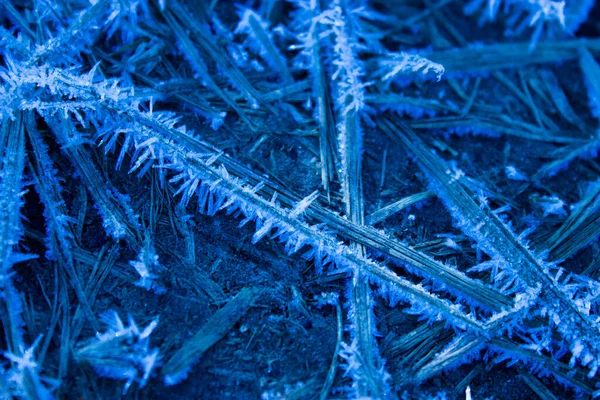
x=369, y=377
x=252, y=24
x=313, y=54
x=159, y=141
x=193, y=56
x=61, y=237
x=178, y=366
x=218, y=190
x=334, y=362
x=325, y=115
x=494, y=237
x=12, y=147
x=12, y=158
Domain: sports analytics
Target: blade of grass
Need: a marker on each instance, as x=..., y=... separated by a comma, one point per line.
x=179, y=364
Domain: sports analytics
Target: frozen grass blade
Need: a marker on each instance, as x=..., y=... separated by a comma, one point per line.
x=559, y=98
x=70, y=35
x=16, y=16
x=591, y=74
x=60, y=240
x=119, y=218
x=585, y=211
x=477, y=123
x=375, y=240
x=587, y=232
x=252, y=24
x=12, y=150
x=23, y=367
x=178, y=366
x=587, y=150
x=101, y=268
x=391, y=209
x=197, y=64
x=333, y=367
x=313, y=51
x=493, y=237
x=369, y=377
x=207, y=42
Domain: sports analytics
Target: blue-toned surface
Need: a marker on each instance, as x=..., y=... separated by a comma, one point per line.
x=299, y=199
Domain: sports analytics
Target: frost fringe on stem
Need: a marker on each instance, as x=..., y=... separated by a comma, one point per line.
x=405, y=62
x=23, y=373
x=122, y=122
x=260, y=40
x=523, y=14
x=157, y=140
x=514, y=266
x=368, y=377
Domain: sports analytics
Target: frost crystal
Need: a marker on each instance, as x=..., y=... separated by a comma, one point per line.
x=396, y=63
x=122, y=352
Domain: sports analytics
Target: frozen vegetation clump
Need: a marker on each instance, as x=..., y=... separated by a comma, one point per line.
x=319, y=199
